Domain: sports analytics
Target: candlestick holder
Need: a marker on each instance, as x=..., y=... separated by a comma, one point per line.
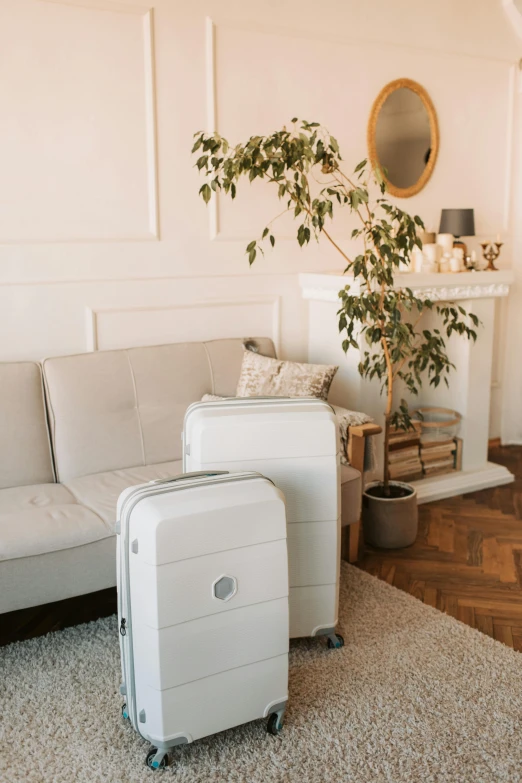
x=491, y=251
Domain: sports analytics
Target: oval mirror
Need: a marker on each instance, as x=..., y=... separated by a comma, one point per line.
x=403, y=137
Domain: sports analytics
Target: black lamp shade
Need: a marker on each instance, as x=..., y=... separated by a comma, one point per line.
x=459, y=222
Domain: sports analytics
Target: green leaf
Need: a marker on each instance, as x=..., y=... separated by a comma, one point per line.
x=272, y=240
x=265, y=232
x=206, y=193
x=251, y=257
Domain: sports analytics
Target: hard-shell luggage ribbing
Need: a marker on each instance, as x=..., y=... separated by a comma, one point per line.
x=295, y=443
x=202, y=605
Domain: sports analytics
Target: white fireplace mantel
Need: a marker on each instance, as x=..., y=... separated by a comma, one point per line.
x=470, y=382
x=440, y=287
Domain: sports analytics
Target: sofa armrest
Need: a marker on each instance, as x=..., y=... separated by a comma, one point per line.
x=364, y=430
x=356, y=443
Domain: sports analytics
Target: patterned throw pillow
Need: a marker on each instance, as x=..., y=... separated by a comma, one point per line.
x=262, y=376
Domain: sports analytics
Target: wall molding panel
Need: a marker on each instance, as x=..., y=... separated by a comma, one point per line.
x=148, y=151
x=211, y=95
x=456, y=61
x=104, y=5
x=123, y=327
x=151, y=124
x=335, y=37
x=510, y=133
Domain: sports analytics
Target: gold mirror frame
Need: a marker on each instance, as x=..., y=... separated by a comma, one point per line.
x=419, y=90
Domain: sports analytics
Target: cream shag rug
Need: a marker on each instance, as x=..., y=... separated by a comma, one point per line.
x=414, y=696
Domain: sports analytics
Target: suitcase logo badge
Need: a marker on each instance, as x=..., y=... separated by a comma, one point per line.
x=224, y=588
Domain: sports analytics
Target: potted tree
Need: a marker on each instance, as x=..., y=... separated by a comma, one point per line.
x=305, y=165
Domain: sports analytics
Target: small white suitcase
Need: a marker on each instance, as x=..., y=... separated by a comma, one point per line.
x=202, y=606
x=294, y=442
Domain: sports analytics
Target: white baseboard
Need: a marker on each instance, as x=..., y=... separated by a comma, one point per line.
x=450, y=484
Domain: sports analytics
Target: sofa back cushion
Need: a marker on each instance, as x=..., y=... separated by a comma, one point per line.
x=25, y=449
x=119, y=409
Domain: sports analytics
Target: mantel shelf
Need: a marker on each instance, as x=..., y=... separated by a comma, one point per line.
x=442, y=287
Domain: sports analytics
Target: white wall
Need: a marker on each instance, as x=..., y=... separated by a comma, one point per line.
x=103, y=239
x=511, y=378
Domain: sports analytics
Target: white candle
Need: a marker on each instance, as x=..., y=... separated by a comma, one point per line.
x=498, y=238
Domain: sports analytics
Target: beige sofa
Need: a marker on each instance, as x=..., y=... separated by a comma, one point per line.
x=74, y=432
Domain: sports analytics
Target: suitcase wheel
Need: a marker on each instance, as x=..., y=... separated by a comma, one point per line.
x=275, y=724
x=155, y=760
x=335, y=641
x=124, y=712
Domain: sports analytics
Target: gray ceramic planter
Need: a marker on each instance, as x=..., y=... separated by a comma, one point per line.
x=390, y=523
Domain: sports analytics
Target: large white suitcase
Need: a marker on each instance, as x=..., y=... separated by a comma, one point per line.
x=202, y=606
x=295, y=443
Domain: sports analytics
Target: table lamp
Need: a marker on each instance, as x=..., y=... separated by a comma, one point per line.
x=460, y=223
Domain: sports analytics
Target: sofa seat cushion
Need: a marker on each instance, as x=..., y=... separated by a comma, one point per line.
x=34, y=496
x=41, y=518
x=100, y=491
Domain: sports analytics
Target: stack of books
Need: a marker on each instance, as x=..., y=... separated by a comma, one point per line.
x=404, y=459
x=438, y=456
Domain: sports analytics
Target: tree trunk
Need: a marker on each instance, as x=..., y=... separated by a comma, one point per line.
x=386, y=470
x=387, y=415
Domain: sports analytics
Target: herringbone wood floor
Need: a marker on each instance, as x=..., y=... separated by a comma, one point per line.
x=467, y=561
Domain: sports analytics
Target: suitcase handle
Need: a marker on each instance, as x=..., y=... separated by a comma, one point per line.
x=269, y=397
x=196, y=474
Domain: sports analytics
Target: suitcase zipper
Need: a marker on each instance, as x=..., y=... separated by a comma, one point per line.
x=195, y=474
x=127, y=654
